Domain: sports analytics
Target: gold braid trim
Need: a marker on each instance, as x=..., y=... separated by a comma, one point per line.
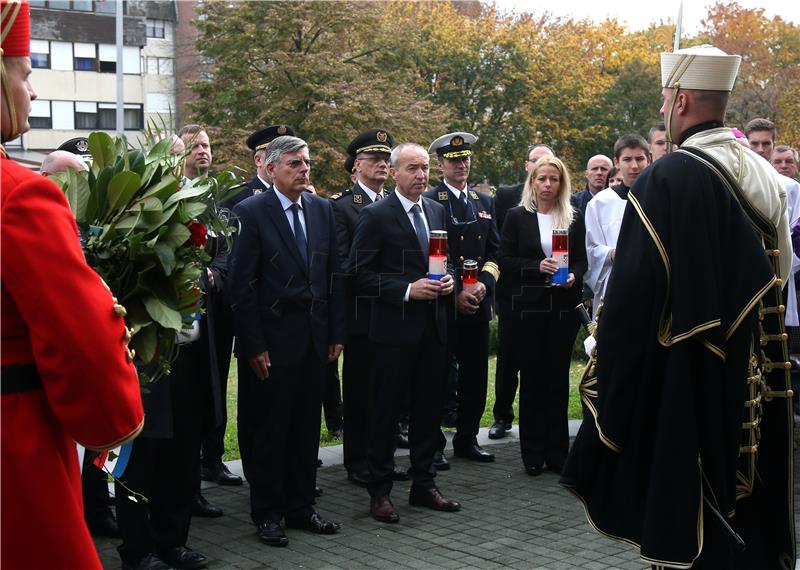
x=492, y=269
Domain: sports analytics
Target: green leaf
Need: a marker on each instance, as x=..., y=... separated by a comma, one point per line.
x=163, y=189
x=78, y=193
x=149, y=204
x=166, y=257
x=190, y=191
x=176, y=235
x=121, y=189
x=161, y=150
x=144, y=343
x=134, y=220
x=102, y=149
x=163, y=315
x=136, y=161
x=98, y=203
x=192, y=210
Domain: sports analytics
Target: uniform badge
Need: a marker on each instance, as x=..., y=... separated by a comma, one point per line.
x=357, y=198
x=457, y=141
x=381, y=136
x=485, y=215
x=442, y=196
x=281, y=130
x=82, y=145
x=473, y=194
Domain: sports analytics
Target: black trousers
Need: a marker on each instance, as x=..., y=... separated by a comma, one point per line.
x=416, y=370
x=279, y=421
x=506, y=369
x=332, y=397
x=94, y=484
x=166, y=471
x=358, y=374
x=213, y=444
x=543, y=346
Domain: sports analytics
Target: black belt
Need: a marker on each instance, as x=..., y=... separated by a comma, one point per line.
x=19, y=378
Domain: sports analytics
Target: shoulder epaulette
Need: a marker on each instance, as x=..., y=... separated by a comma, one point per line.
x=341, y=194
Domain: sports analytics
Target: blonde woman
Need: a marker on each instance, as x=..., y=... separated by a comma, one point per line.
x=544, y=322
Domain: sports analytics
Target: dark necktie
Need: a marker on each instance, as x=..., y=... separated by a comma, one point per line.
x=419, y=226
x=299, y=234
x=378, y=196
x=463, y=199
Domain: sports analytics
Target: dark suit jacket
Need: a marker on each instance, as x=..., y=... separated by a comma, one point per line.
x=347, y=207
x=245, y=193
x=386, y=258
x=280, y=305
x=523, y=286
x=478, y=241
x=505, y=198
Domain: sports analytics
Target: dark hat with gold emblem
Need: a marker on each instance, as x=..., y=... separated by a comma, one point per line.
x=453, y=145
x=78, y=145
x=374, y=140
x=350, y=163
x=262, y=137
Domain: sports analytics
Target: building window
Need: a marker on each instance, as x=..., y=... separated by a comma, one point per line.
x=155, y=28
x=82, y=5
x=103, y=116
x=37, y=3
x=159, y=65
x=41, y=116
x=109, y=7
x=85, y=57
x=40, y=54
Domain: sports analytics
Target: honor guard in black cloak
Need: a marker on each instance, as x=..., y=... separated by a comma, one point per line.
x=471, y=235
x=258, y=143
x=367, y=158
x=687, y=452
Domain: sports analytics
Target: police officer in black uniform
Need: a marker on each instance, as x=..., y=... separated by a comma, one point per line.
x=368, y=161
x=471, y=235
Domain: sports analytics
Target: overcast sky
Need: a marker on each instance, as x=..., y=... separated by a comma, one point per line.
x=639, y=14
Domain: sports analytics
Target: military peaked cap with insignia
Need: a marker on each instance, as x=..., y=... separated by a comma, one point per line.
x=453, y=145
x=374, y=140
x=261, y=138
x=350, y=164
x=78, y=145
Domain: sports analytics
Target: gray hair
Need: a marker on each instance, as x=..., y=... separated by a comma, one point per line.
x=785, y=148
x=396, y=151
x=281, y=146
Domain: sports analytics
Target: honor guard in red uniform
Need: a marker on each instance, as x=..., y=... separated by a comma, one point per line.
x=67, y=374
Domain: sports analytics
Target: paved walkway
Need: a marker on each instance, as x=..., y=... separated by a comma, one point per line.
x=508, y=520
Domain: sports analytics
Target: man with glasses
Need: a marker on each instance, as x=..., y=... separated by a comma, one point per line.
x=369, y=162
x=471, y=235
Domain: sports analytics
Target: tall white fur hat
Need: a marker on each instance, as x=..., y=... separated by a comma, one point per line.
x=704, y=67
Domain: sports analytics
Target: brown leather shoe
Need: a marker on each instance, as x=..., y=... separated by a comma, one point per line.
x=382, y=509
x=433, y=499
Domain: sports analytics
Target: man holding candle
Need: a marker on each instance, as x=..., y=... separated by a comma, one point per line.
x=408, y=328
x=472, y=236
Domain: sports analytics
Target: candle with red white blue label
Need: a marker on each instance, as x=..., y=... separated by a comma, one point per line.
x=437, y=254
x=561, y=255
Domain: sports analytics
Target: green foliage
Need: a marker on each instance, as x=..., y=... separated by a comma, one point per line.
x=136, y=230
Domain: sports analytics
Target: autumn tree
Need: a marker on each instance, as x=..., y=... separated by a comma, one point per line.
x=309, y=64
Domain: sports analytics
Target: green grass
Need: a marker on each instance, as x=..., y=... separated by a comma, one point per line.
x=232, y=445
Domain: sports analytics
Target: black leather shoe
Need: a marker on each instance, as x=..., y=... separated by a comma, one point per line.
x=183, y=558
x=402, y=436
x=202, y=508
x=149, y=562
x=556, y=468
x=400, y=474
x=474, y=452
x=103, y=524
x=315, y=524
x=440, y=462
x=317, y=491
x=360, y=478
x=534, y=471
x=219, y=473
x=337, y=433
x=319, y=462
x=271, y=534
x=499, y=429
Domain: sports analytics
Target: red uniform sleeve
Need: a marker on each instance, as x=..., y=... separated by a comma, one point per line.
x=76, y=339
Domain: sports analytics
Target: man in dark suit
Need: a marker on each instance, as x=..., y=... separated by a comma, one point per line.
x=288, y=314
x=472, y=235
x=506, y=370
x=369, y=157
x=408, y=328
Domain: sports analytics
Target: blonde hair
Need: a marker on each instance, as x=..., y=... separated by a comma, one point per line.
x=563, y=213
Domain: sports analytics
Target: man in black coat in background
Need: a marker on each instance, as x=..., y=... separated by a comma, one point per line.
x=472, y=235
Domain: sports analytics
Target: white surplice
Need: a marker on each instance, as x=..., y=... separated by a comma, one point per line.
x=603, y=221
